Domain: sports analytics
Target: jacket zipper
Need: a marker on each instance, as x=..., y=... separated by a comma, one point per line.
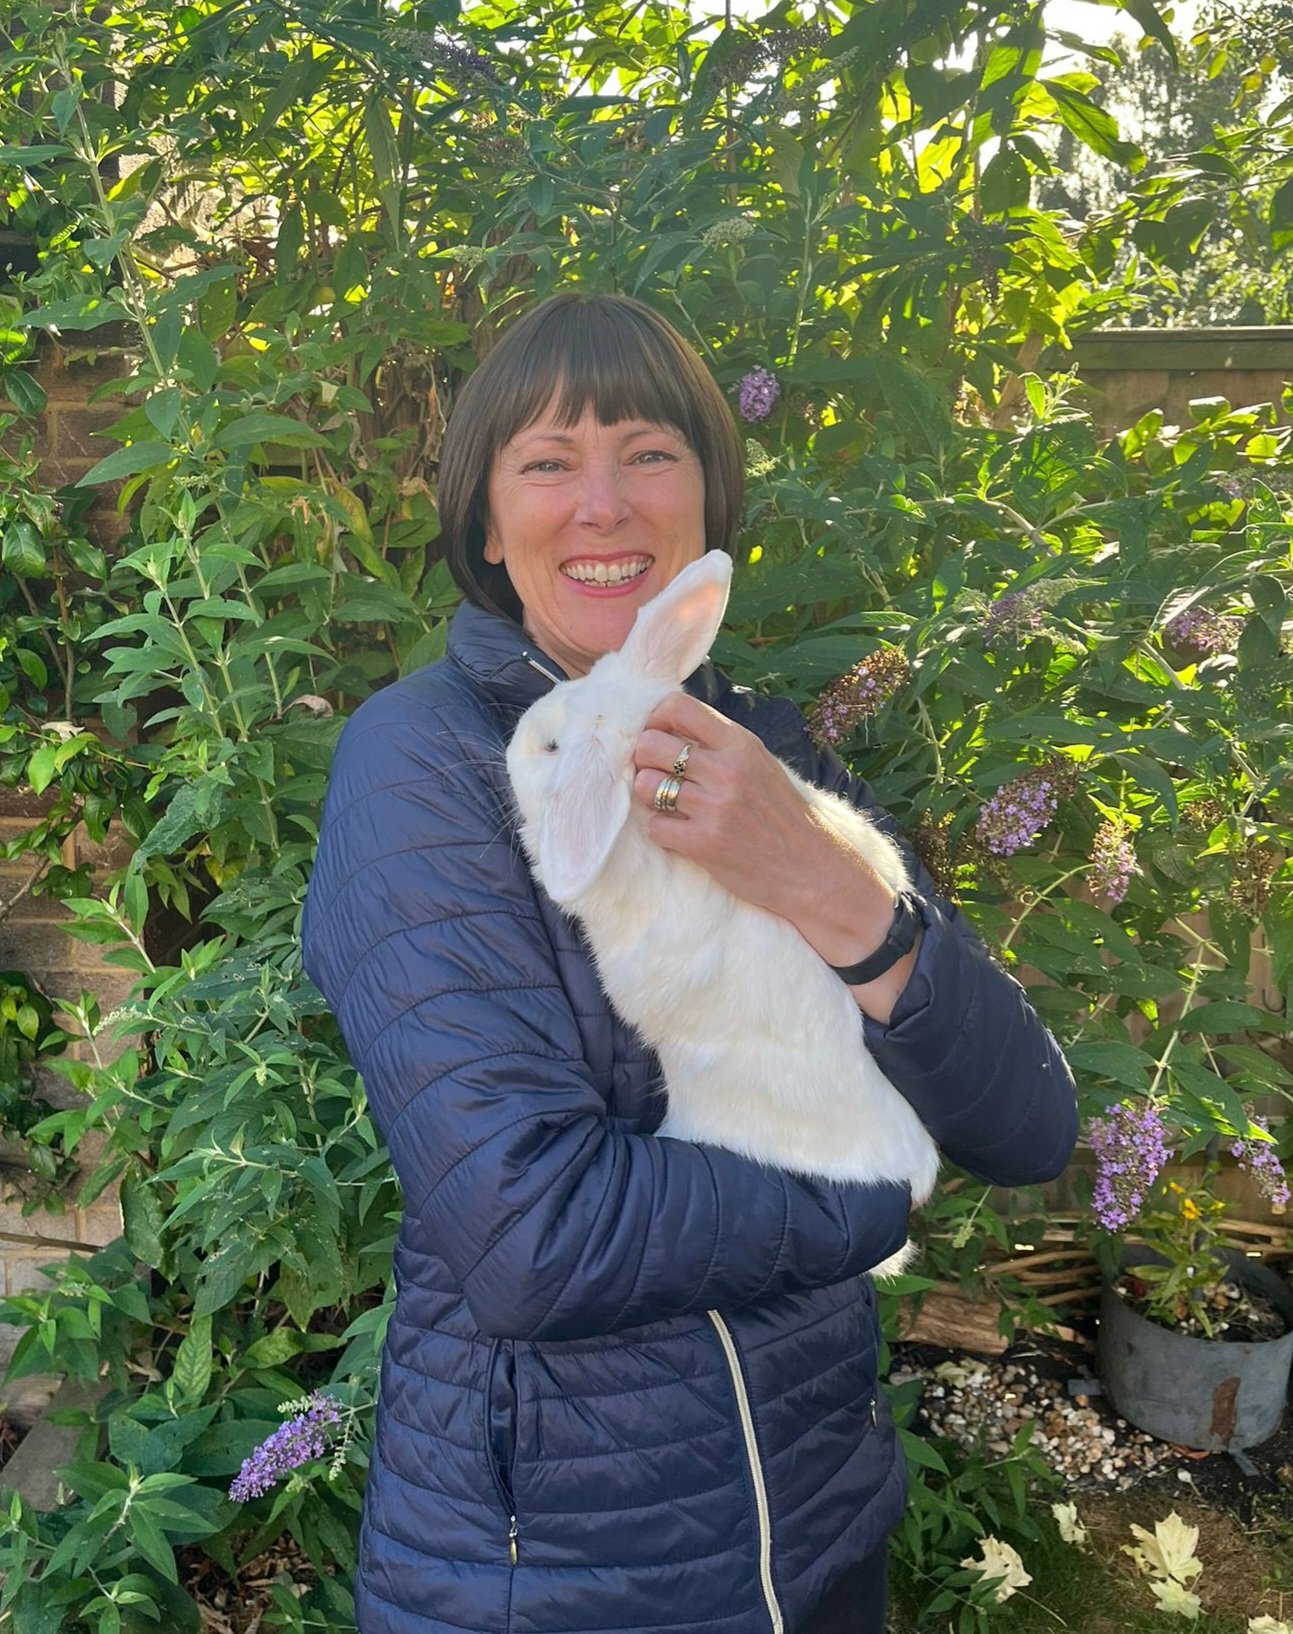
x=543, y=670
x=756, y=1469
x=504, y=1493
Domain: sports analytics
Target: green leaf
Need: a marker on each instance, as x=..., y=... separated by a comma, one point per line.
x=142, y=1218
x=260, y=427
x=13, y=153
x=80, y=312
x=126, y=462
x=22, y=550
x=1107, y=1058
x=33, y=667
x=41, y=768
x=94, y=1481
x=1093, y=126
x=24, y=391
x=223, y=1276
x=1282, y=215
x=191, y=1374
x=1222, y=1016
x=919, y=1453
x=151, y=1542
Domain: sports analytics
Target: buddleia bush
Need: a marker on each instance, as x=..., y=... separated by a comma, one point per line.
x=1062, y=661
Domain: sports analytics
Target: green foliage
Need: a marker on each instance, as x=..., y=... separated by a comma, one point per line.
x=956, y=1499
x=1210, y=213
x=294, y=228
x=28, y=1035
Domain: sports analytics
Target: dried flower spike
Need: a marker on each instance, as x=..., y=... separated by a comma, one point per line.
x=1203, y=632
x=858, y=695
x=1014, y=616
x=1017, y=813
x=1113, y=862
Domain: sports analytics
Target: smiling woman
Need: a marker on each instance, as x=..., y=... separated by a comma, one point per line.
x=631, y=1379
x=589, y=523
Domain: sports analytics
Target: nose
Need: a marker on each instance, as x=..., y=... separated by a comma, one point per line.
x=602, y=499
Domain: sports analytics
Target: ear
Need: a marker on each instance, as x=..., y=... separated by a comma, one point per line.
x=586, y=807
x=673, y=632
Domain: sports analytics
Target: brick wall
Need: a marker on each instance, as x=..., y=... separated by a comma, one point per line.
x=32, y=939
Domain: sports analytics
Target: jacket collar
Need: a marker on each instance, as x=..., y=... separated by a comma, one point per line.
x=501, y=659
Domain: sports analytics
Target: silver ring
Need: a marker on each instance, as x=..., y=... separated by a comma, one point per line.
x=680, y=765
x=666, y=796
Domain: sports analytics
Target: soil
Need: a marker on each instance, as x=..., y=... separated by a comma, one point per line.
x=229, y=1606
x=1238, y=1315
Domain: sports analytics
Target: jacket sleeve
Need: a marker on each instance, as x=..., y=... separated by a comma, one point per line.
x=963, y=1044
x=422, y=930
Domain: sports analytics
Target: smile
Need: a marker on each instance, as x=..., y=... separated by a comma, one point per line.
x=621, y=572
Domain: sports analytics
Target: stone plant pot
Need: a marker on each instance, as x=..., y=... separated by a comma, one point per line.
x=1212, y=1394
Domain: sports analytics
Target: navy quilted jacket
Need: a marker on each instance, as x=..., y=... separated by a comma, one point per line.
x=630, y=1384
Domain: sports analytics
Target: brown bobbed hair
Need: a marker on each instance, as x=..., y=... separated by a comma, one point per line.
x=609, y=351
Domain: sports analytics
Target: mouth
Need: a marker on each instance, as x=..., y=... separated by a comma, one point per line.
x=601, y=576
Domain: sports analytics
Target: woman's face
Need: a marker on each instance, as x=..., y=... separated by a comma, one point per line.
x=591, y=521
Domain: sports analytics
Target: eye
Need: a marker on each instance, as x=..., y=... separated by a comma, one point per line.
x=550, y=746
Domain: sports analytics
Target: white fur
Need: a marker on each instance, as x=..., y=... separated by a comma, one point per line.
x=761, y=1043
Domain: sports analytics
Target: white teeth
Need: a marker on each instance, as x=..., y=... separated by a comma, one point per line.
x=606, y=572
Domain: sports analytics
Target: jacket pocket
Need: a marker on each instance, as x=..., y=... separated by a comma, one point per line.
x=500, y=1433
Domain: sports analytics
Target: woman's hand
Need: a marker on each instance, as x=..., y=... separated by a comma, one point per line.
x=742, y=819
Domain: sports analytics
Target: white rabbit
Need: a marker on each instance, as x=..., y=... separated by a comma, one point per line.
x=761, y=1043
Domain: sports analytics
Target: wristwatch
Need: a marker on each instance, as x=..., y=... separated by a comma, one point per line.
x=907, y=920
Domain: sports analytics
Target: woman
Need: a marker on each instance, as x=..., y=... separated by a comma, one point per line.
x=630, y=1383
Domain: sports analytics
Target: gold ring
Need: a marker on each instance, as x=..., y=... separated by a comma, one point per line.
x=680, y=765
x=666, y=796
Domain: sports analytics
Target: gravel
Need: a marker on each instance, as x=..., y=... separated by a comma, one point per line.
x=985, y=1404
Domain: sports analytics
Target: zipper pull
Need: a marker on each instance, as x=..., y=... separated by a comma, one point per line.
x=874, y=1419
x=511, y=1541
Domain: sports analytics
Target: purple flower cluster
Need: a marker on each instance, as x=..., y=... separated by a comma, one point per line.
x=301, y=1439
x=1131, y=1148
x=459, y=64
x=1018, y=812
x=1113, y=862
x=758, y=392
x=1261, y=1160
x=858, y=695
x=1014, y=616
x=1202, y=631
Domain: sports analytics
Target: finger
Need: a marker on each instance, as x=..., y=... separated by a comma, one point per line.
x=663, y=750
x=647, y=785
x=687, y=718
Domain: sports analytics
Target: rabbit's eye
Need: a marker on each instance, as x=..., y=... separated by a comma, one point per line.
x=550, y=746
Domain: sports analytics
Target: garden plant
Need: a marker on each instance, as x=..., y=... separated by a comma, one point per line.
x=1062, y=660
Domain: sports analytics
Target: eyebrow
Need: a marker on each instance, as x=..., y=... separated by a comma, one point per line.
x=566, y=440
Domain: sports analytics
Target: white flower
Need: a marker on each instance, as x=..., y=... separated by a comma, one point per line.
x=1000, y=1560
x=1173, y=1596
x=1268, y=1625
x=1071, y=1528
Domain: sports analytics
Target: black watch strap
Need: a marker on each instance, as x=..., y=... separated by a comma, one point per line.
x=907, y=920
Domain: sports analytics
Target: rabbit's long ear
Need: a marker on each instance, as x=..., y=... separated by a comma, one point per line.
x=584, y=810
x=673, y=632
